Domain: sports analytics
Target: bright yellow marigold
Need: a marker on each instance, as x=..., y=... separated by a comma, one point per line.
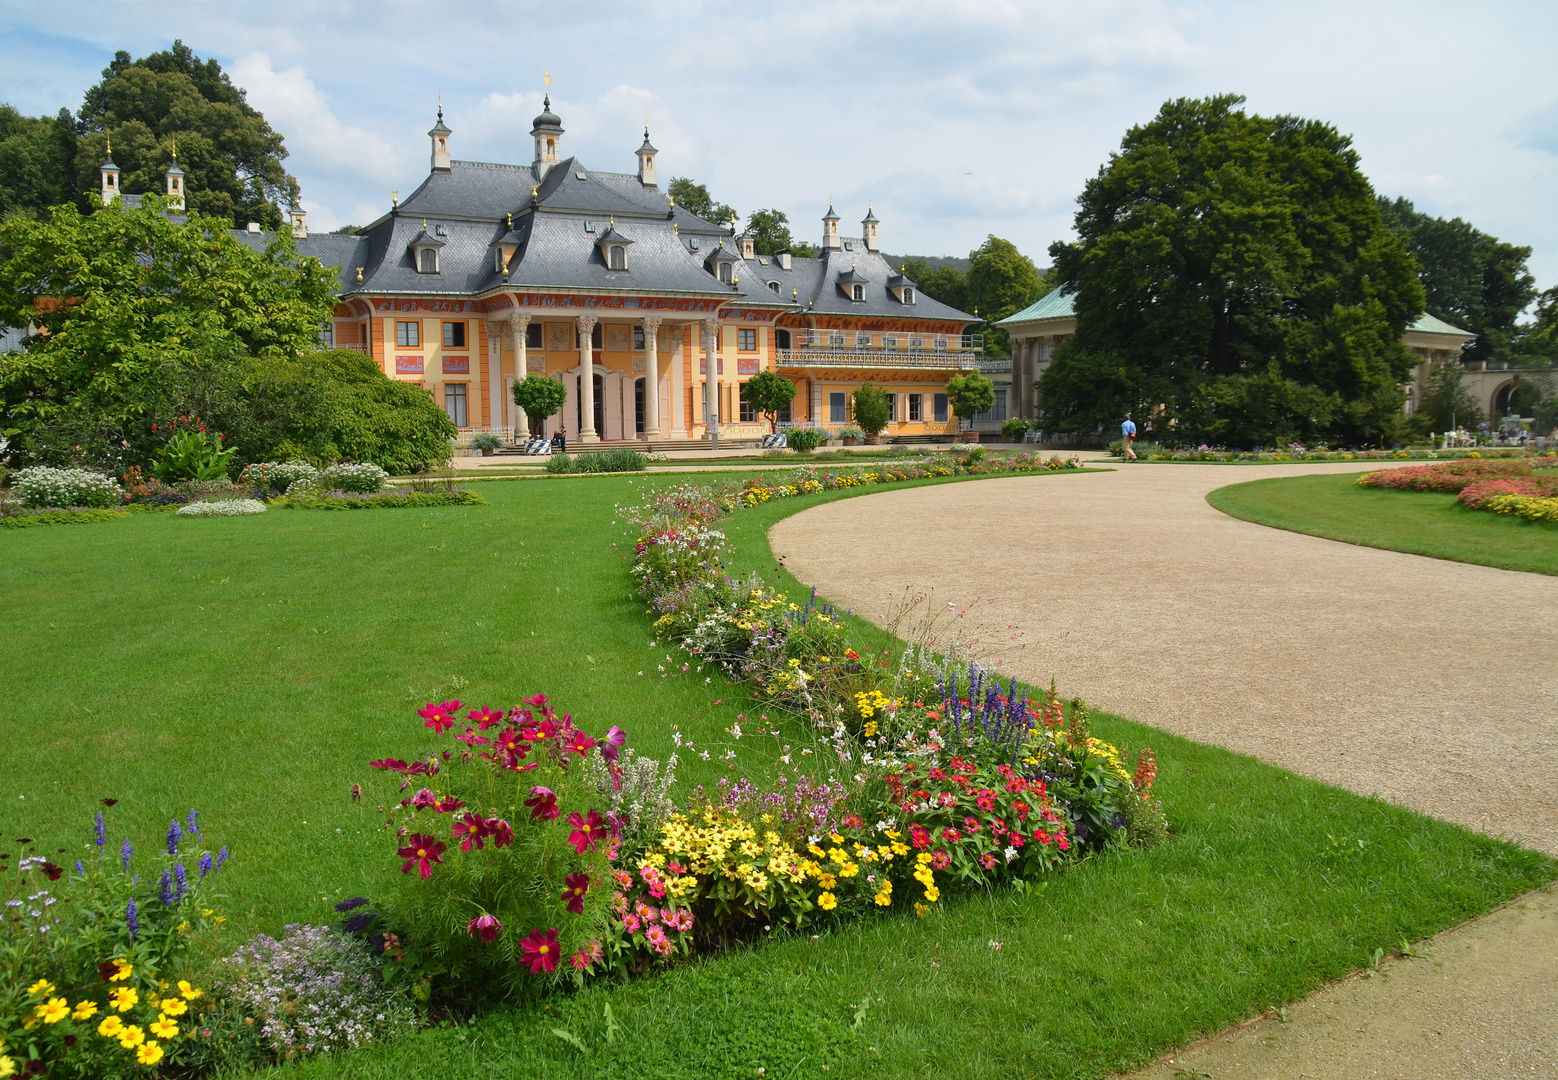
x=110, y=1027
x=827, y=901
x=53, y=1010
x=125, y=998
x=131, y=1037
x=163, y=1028
x=42, y=987
x=189, y=991
x=85, y=1011
x=174, y=1006
x=149, y=1054
x=126, y=969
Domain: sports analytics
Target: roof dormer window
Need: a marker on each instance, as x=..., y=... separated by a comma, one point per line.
x=857, y=292
x=908, y=296
x=692, y=243
x=427, y=261
x=849, y=245
x=619, y=257
x=589, y=226
x=424, y=251
x=774, y=285
x=724, y=272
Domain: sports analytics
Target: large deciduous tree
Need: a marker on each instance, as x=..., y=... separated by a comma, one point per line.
x=696, y=200
x=1001, y=281
x=147, y=107
x=140, y=319
x=769, y=393
x=948, y=284
x=1235, y=281
x=37, y=161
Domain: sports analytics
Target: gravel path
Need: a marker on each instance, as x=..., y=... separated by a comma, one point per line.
x=1417, y=679
x=1421, y=680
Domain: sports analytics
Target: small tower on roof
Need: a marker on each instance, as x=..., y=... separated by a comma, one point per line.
x=299, y=219
x=440, y=135
x=868, y=230
x=830, y=230
x=109, y=172
x=548, y=133
x=646, y=161
x=174, y=178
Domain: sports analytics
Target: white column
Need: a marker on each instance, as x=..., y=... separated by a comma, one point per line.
x=519, y=325
x=587, y=432
x=678, y=391
x=711, y=357
x=652, y=377
x=495, y=372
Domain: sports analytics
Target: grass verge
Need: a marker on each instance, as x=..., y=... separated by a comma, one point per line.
x=1418, y=522
x=252, y=666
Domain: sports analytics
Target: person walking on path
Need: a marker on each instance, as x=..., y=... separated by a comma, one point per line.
x=1128, y=435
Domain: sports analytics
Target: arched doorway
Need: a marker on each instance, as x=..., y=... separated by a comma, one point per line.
x=1515, y=399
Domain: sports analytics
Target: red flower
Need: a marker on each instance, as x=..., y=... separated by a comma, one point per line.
x=940, y=860
x=423, y=798
x=951, y=835
x=541, y=731
x=581, y=744
x=501, y=832
x=447, y=804
x=422, y=852
x=439, y=717
x=388, y=764
x=1062, y=843
x=574, y=888
x=484, y=717
x=473, y=829
x=470, y=738
x=539, y=951
x=486, y=927
x=972, y=825
x=543, y=804
x=919, y=836
x=986, y=800
x=987, y=860
x=1022, y=810
x=851, y=654
x=586, y=831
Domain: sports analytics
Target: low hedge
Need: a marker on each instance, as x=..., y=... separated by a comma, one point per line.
x=385, y=500
x=59, y=517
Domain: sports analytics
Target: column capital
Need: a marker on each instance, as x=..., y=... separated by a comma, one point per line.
x=711, y=322
x=518, y=319
x=587, y=322
x=651, y=324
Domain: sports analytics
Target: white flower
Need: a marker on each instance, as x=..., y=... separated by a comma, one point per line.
x=1011, y=853
x=222, y=508
x=996, y=945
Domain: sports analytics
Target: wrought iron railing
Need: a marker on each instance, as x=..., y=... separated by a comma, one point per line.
x=834, y=357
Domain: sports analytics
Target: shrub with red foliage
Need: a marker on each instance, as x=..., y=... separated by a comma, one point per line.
x=1446, y=476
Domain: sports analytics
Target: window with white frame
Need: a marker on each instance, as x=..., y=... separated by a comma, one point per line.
x=774, y=286
x=746, y=340
x=941, y=342
x=908, y=296
x=916, y=408
x=838, y=408
x=327, y=334
x=408, y=335
x=638, y=338
x=892, y=408
x=724, y=272
x=454, y=403
x=836, y=338
x=857, y=292
x=454, y=335
x=889, y=341
x=916, y=342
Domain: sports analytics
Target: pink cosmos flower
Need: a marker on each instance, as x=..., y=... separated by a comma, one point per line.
x=538, y=951
x=486, y=927
x=586, y=830
x=581, y=744
x=447, y=805
x=423, y=799
x=540, y=731
x=470, y=738
x=574, y=888
x=611, y=746
x=422, y=852
x=484, y=717
x=471, y=831
x=439, y=717
x=543, y=803
x=501, y=832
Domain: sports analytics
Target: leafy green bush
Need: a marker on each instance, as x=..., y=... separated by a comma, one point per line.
x=804, y=440
x=539, y=396
x=59, y=517
x=1015, y=428
x=872, y=409
x=41, y=486
x=601, y=461
x=192, y=453
x=485, y=440
x=383, y=501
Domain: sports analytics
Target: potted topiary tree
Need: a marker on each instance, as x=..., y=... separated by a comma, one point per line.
x=970, y=394
x=872, y=411
x=541, y=398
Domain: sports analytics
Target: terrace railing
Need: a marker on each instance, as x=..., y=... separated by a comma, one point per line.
x=849, y=348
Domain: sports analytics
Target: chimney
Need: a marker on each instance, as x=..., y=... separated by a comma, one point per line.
x=785, y=260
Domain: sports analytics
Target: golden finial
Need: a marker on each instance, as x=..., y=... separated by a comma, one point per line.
x=175, y=149
x=547, y=78
x=533, y=191
x=511, y=221
x=424, y=225
x=110, y=146
x=795, y=294
x=395, y=198
x=359, y=273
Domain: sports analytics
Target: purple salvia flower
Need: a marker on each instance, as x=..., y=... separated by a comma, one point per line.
x=193, y=826
x=100, y=832
x=175, y=834
x=132, y=918
x=180, y=879
x=205, y=863
x=221, y=857
x=124, y=855
x=80, y=869
x=166, y=896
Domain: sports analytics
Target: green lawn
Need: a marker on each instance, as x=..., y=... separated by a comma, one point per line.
x=1420, y=522
x=252, y=666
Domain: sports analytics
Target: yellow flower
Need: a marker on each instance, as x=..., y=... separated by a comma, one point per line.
x=920, y=909
x=7, y=1066
x=849, y=870
x=163, y=1028
x=126, y=969
x=149, y=1054
x=827, y=881
x=131, y=1037
x=85, y=1011
x=837, y=839
x=110, y=1027
x=932, y=893
x=52, y=1011
x=174, y=1006
x=42, y=987
x=189, y=991
x=827, y=901
x=870, y=729
x=125, y=998
x=815, y=850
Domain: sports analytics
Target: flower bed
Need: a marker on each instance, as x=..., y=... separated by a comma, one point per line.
x=1478, y=494
x=1526, y=506
x=1446, y=476
x=27, y=518
x=384, y=500
x=222, y=508
x=1152, y=452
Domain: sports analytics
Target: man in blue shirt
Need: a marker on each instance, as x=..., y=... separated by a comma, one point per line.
x=1128, y=434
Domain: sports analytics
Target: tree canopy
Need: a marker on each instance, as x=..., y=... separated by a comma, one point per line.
x=695, y=199
x=1470, y=279
x=769, y=393
x=141, y=319
x=1001, y=282
x=945, y=283
x=37, y=161
x=1235, y=281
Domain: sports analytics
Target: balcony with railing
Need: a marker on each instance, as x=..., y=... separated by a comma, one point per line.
x=849, y=348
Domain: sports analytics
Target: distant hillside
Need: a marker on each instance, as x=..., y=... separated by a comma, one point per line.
x=935, y=262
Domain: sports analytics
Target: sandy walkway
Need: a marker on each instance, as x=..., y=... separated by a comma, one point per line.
x=1417, y=679
x=1380, y=672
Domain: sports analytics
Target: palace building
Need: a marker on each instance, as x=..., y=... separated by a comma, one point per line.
x=652, y=318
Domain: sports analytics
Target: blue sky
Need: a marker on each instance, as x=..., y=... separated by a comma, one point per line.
x=954, y=120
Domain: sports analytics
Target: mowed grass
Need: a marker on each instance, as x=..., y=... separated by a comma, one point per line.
x=1419, y=522
x=252, y=666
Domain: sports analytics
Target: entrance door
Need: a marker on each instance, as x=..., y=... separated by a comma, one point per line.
x=638, y=406
x=600, y=409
